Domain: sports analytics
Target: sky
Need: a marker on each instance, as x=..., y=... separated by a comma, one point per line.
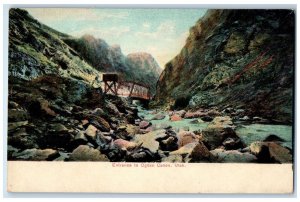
x=160, y=32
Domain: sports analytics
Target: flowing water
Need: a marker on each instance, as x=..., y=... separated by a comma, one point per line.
x=258, y=132
x=247, y=132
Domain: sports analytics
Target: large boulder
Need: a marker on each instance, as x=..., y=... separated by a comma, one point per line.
x=91, y=131
x=86, y=153
x=17, y=115
x=124, y=144
x=148, y=140
x=37, y=155
x=14, y=125
x=175, y=117
x=232, y=156
x=219, y=130
x=192, y=152
x=144, y=124
x=186, y=137
x=22, y=140
x=271, y=152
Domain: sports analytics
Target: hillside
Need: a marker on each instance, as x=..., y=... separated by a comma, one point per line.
x=140, y=67
x=241, y=59
x=144, y=68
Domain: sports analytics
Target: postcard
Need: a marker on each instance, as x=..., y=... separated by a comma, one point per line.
x=156, y=100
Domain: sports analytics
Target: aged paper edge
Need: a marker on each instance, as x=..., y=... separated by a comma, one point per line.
x=100, y=177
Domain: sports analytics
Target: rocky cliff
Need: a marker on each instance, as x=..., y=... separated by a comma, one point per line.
x=144, y=68
x=138, y=67
x=235, y=58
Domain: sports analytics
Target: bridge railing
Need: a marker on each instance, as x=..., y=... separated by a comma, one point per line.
x=114, y=85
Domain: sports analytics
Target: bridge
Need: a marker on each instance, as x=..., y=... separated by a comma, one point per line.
x=114, y=85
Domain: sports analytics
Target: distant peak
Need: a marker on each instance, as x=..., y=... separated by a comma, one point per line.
x=140, y=54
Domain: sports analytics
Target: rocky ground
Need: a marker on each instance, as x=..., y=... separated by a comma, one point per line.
x=46, y=124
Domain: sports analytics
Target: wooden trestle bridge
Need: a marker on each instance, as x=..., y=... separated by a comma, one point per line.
x=114, y=85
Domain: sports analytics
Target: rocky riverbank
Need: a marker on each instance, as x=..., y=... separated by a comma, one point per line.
x=107, y=128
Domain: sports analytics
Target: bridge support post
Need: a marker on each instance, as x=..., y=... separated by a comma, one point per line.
x=112, y=86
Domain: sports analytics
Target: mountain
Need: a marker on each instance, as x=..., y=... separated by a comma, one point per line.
x=140, y=67
x=144, y=68
x=36, y=49
x=52, y=107
x=235, y=58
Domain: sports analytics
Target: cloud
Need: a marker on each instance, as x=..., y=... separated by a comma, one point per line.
x=50, y=15
x=146, y=25
x=103, y=33
x=169, y=50
x=164, y=30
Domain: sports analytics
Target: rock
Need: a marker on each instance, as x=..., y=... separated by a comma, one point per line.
x=91, y=131
x=85, y=153
x=141, y=155
x=20, y=139
x=80, y=136
x=150, y=129
x=214, y=137
x=180, y=113
x=244, y=118
x=37, y=154
x=232, y=156
x=57, y=127
x=176, y=158
x=186, y=137
x=148, y=140
x=63, y=156
x=98, y=112
x=195, y=121
x=206, y=118
x=13, y=105
x=273, y=138
x=240, y=111
x=175, y=117
x=125, y=145
x=112, y=108
x=279, y=153
x=159, y=116
x=232, y=143
x=191, y=115
x=169, y=144
x=84, y=122
x=137, y=121
x=257, y=119
x=200, y=152
x=221, y=122
x=42, y=107
x=195, y=152
x=213, y=113
x=163, y=126
x=17, y=115
x=122, y=127
x=101, y=124
x=218, y=130
x=11, y=151
x=131, y=130
x=144, y=124
x=79, y=139
x=15, y=125
x=268, y=152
